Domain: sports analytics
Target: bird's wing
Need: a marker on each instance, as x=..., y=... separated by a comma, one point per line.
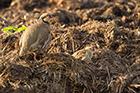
x=47, y=42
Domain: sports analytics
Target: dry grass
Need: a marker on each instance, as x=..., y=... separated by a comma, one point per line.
x=115, y=63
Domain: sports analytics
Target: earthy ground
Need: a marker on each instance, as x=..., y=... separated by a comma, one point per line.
x=112, y=25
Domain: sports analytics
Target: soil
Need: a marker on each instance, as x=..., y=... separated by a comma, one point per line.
x=111, y=25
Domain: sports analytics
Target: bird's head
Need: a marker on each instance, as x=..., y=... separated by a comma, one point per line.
x=93, y=46
x=44, y=18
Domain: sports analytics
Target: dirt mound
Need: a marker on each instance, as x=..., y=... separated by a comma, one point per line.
x=111, y=26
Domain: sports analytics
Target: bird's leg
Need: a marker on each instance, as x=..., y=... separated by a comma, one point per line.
x=33, y=48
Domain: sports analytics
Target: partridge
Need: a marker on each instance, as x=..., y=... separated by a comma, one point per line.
x=36, y=36
x=84, y=54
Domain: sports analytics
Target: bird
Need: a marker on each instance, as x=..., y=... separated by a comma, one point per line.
x=37, y=35
x=84, y=54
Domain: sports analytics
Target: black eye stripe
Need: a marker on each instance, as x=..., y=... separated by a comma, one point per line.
x=45, y=21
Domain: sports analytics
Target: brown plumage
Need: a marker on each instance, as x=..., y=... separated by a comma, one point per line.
x=84, y=54
x=35, y=36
